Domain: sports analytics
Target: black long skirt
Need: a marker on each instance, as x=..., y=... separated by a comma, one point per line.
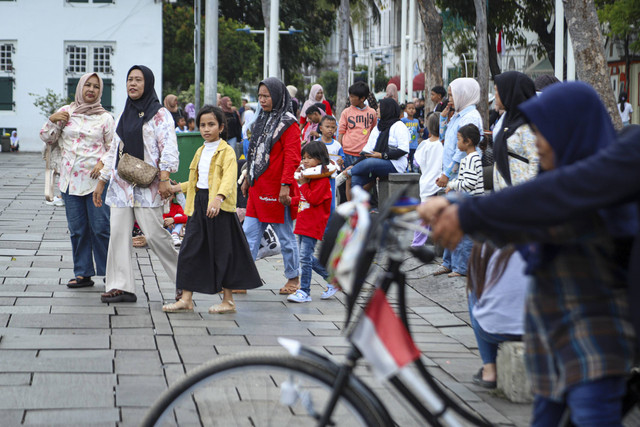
x=215, y=253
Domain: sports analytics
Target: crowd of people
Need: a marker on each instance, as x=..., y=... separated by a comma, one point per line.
x=544, y=264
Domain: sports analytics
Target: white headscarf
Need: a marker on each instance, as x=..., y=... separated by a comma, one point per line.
x=465, y=91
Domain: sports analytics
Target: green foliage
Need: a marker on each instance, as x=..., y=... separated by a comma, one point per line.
x=189, y=95
x=329, y=82
x=381, y=79
x=622, y=17
x=49, y=103
x=240, y=54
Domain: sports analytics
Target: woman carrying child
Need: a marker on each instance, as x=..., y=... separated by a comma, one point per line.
x=214, y=250
x=314, y=209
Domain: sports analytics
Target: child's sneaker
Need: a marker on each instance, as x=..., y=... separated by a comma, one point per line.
x=299, y=296
x=176, y=239
x=331, y=291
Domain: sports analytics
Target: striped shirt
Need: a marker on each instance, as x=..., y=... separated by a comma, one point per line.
x=470, y=177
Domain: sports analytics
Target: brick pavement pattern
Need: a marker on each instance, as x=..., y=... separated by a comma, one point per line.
x=66, y=358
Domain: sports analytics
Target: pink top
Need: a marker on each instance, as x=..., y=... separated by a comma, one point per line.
x=355, y=126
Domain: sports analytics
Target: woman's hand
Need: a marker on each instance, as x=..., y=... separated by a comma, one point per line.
x=284, y=197
x=245, y=187
x=164, y=189
x=214, y=208
x=376, y=155
x=445, y=112
x=95, y=172
x=59, y=116
x=97, y=194
x=431, y=209
x=168, y=222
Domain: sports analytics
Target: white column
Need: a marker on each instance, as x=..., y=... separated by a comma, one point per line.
x=265, y=63
x=211, y=52
x=197, y=56
x=411, y=37
x=571, y=61
x=403, y=52
x=559, y=43
x=274, y=19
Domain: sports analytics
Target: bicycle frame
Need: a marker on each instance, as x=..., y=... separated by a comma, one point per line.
x=438, y=403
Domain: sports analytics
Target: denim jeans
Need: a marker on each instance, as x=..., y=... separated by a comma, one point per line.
x=369, y=169
x=593, y=403
x=349, y=160
x=308, y=263
x=254, y=229
x=458, y=259
x=487, y=342
x=89, y=228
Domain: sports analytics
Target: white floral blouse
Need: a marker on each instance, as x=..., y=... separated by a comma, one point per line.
x=84, y=140
x=523, y=143
x=160, y=150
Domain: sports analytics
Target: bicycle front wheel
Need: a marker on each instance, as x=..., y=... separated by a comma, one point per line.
x=261, y=389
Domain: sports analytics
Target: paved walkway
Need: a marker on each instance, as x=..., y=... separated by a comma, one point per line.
x=66, y=358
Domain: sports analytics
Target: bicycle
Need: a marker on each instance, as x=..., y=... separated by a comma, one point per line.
x=308, y=388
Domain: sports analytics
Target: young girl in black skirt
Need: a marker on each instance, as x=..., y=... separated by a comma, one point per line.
x=215, y=256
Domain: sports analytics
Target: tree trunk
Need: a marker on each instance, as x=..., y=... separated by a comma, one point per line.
x=353, y=47
x=494, y=66
x=432, y=24
x=343, y=66
x=546, y=39
x=482, y=59
x=588, y=50
x=627, y=66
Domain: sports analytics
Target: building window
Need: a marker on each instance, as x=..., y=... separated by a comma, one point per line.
x=6, y=76
x=85, y=57
x=6, y=57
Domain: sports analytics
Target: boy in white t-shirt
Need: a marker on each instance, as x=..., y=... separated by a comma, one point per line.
x=428, y=157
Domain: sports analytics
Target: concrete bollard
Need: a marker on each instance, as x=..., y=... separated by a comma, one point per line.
x=512, y=375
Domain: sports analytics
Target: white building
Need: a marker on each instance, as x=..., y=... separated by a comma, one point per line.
x=49, y=44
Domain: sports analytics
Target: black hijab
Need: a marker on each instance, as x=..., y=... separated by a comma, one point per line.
x=389, y=115
x=269, y=127
x=136, y=113
x=514, y=88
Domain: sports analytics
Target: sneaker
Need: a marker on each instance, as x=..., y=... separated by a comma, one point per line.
x=176, y=239
x=57, y=201
x=299, y=296
x=341, y=178
x=331, y=291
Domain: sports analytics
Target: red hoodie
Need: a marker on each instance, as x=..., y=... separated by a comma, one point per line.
x=314, y=208
x=177, y=213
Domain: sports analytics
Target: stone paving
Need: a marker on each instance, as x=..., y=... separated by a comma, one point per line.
x=66, y=358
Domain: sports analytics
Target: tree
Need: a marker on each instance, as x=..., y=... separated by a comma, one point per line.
x=238, y=54
x=329, y=82
x=343, y=64
x=482, y=59
x=50, y=102
x=432, y=23
x=591, y=65
x=619, y=18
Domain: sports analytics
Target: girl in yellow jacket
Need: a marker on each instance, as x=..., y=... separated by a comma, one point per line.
x=214, y=256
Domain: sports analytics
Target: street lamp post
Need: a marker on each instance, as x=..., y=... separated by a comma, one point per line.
x=265, y=66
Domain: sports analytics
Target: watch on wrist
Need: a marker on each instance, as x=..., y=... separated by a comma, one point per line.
x=385, y=156
x=284, y=185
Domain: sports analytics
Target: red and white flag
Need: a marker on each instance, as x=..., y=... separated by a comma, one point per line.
x=382, y=338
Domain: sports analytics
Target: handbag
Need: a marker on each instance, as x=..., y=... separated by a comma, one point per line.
x=136, y=171
x=48, y=176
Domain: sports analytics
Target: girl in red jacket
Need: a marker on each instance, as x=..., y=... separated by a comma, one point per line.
x=313, y=213
x=174, y=220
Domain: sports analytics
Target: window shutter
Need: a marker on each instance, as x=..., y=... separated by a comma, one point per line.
x=6, y=93
x=106, y=94
x=71, y=88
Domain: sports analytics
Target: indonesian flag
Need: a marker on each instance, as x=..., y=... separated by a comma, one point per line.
x=499, y=45
x=382, y=338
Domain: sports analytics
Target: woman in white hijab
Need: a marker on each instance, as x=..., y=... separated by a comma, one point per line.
x=464, y=94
